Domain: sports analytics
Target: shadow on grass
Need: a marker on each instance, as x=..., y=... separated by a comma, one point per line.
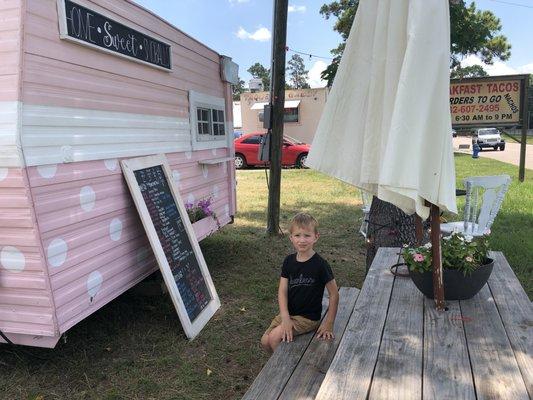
x=134, y=347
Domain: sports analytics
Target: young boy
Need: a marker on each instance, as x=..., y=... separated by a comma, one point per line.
x=301, y=287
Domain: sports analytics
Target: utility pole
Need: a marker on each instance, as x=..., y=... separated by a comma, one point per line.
x=277, y=100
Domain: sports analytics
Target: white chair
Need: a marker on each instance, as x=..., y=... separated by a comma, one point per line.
x=366, y=199
x=484, y=197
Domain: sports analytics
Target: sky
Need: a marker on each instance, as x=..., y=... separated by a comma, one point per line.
x=241, y=29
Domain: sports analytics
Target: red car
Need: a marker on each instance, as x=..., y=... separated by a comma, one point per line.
x=247, y=151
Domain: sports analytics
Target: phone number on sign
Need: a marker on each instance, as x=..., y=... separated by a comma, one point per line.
x=475, y=108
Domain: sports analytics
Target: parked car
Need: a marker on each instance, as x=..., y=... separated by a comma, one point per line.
x=247, y=151
x=488, y=137
x=454, y=133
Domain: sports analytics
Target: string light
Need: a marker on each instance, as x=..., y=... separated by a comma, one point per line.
x=287, y=48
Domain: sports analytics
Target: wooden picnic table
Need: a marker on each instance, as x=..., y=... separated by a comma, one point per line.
x=396, y=345
x=391, y=343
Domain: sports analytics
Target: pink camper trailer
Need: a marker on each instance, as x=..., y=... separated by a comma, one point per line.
x=84, y=84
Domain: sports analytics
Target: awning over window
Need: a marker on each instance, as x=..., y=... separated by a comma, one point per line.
x=288, y=104
x=258, y=106
x=292, y=103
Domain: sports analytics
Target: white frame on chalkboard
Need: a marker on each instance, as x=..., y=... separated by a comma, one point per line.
x=191, y=328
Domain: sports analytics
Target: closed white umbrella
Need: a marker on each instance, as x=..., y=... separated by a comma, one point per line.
x=386, y=127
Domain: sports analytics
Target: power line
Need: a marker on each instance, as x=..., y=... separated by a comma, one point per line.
x=307, y=54
x=511, y=4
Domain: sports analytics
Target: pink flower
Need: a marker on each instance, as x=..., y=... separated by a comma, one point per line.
x=469, y=259
x=418, y=257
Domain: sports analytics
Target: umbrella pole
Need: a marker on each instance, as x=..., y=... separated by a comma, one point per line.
x=438, y=285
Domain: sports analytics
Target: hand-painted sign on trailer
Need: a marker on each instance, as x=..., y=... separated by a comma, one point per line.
x=89, y=28
x=173, y=241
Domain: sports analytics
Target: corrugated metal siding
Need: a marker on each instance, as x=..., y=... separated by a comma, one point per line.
x=60, y=134
x=10, y=48
x=94, y=242
x=65, y=74
x=25, y=300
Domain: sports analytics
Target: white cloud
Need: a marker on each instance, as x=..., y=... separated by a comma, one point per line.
x=314, y=74
x=261, y=34
x=498, y=68
x=300, y=9
x=238, y=1
x=526, y=69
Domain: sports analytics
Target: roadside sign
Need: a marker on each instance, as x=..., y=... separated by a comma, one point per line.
x=495, y=101
x=488, y=101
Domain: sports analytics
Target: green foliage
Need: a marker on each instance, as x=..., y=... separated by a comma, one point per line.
x=473, y=32
x=297, y=72
x=237, y=90
x=463, y=253
x=259, y=71
x=344, y=11
x=473, y=71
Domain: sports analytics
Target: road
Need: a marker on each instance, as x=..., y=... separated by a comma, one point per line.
x=510, y=155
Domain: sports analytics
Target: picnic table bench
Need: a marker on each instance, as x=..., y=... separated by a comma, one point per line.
x=394, y=344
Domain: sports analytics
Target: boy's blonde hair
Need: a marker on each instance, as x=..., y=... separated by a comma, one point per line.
x=303, y=220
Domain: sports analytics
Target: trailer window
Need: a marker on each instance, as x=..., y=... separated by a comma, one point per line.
x=208, y=121
x=203, y=121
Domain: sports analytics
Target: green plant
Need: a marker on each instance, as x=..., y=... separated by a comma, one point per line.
x=460, y=252
x=200, y=210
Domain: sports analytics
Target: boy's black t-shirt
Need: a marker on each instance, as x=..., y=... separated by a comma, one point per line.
x=306, y=284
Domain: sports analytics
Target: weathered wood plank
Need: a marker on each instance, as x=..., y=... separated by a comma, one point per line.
x=398, y=372
x=516, y=313
x=494, y=366
x=278, y=369
x=351, y=370
x=309, y=374
x=447, y=373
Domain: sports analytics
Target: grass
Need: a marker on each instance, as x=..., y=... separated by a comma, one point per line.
x=134, y=348
x=529, y=139
x=513, y=227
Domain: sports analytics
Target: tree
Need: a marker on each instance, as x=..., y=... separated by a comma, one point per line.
x=259, y=71
x=473, y=71
x=344, y=11
x=297, y=72
x=237, y=90
x=473, y=32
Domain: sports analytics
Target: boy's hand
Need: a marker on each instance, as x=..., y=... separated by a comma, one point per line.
x=286, y=330
x=325, y=331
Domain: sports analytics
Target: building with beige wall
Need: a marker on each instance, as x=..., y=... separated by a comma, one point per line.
x=303, y=108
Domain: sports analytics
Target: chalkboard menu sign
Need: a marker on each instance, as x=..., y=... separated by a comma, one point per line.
x=90, y=28
x=173, y=240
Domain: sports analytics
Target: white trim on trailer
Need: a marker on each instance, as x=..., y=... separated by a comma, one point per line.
x=10, y=147
x=52, y=135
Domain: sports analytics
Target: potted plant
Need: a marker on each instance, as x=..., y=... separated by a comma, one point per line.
x=200, y=210
x=466, y=266
x=202, y=217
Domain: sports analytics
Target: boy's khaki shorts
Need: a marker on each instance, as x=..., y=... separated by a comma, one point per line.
x=301, y=324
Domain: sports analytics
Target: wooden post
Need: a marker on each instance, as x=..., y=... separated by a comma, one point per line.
x=277, y=99
x=438, y=284
x=525, y=121
x=419, y=230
